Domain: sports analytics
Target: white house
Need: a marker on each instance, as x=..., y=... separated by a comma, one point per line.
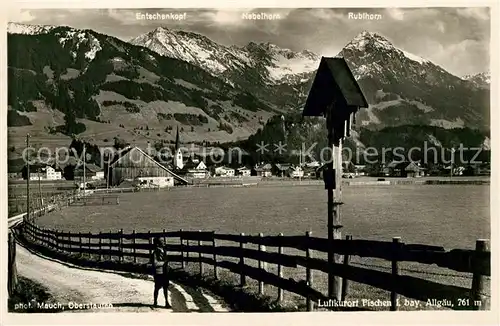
x=196, y=169
x=222, y=171
x=154, y=182
x=46, y=173
x=244, y=171
x=264, y=170
x=296, y=172
x=92, y=172
x=52, y=174
x=313, y=164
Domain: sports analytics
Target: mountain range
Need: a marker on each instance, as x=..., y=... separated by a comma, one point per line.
x=140, y=90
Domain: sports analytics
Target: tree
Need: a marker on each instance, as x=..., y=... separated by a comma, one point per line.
x=120, y=143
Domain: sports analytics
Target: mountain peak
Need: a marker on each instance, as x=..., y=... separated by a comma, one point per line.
x=373, y=41
x=369, y=38
x=482, y=79
x=160, y=29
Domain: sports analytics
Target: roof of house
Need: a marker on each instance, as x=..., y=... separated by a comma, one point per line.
x=397, y=164
x=412, y=166
x=224, y=168
x=283, y=166
x=334, y=82
x=192, y=165
x=262, y=167
x=89, y=167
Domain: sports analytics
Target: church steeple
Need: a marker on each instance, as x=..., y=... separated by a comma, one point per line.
x=178, y=159
x=177, y=139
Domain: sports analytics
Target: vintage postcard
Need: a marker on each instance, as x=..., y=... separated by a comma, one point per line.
x=202, y=162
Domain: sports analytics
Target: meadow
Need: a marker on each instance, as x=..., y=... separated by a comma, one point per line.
x=444, y=215
x=16, y=194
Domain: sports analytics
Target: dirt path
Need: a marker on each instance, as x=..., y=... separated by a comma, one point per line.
x=71, y=285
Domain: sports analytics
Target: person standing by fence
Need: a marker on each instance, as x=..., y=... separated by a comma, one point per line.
x=160, y=271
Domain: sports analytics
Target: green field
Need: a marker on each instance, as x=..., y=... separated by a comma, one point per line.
x=445, y=215
x=17, y=191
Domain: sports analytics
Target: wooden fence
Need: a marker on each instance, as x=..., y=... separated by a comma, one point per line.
x=230, y=252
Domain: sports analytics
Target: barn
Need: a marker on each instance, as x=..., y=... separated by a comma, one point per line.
x=133, y=164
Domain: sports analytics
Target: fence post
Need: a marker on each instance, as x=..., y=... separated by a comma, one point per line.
x=133, y=243
x=183, y=265
x=12, y=270
x=110, y=245
x=200, y=255
x=280, y=268
x=214, y=246
x=242, y=260
x=100, y=245
x=262, y=249
x=479, y=300
x=120, y=244
x=309, y=275
x=165, y=243
x=89, y=251
x=80, y=243
x=345, y=281
x=150, y=244
x=58, y=238
x=395, y=272
x=70, y=245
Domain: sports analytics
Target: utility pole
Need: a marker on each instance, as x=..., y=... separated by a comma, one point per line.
x=84, y=182
x=452, y=158
x=40, y=190
x=108, y=162
x=300, y=165
x=28, y=179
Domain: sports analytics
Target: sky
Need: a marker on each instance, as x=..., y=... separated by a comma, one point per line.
x=457, y=39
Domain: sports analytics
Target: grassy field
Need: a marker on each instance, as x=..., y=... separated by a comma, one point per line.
x=47, y=189
x=445, y=215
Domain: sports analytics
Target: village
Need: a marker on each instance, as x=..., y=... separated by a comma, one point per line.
x=132, y=167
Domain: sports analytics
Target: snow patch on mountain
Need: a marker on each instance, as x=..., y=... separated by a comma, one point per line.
x=447, y=124
x=486, y=144
x=422, y=106
x=18, y=28
x=482, y=79
x=414, y=57
x=81, y=37
x=367, y=70
x=372, y=118
x=286, y=62
x=383, y=105
x=434, y=141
